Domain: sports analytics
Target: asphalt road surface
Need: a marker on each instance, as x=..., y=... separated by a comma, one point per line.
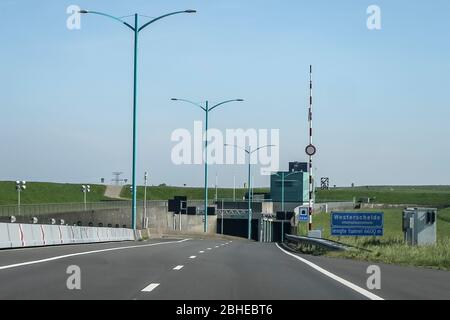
x=203, y=269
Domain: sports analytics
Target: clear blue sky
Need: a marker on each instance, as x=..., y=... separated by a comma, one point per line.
x=381, y=97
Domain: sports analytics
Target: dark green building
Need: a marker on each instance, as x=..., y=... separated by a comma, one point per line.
x=295, y=187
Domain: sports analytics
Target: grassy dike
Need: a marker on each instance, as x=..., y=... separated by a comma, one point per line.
x=44, y=192
x=391, y=248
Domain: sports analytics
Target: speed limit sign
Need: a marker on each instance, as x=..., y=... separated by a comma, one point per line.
x=311, y=150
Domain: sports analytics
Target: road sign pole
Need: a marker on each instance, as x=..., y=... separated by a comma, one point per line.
x=310, y=152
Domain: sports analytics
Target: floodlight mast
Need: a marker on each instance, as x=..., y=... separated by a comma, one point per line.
x=20, y=186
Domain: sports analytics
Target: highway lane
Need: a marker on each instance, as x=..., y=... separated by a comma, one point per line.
x=245, y=271
x=198, y=269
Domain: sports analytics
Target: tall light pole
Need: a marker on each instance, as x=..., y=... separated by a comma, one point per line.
x=136, y=29
x=207, y=109
x=20, y=186
x=249, y=152
x=85, y=189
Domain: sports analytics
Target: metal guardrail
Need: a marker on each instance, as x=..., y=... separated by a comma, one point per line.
x=324, y=244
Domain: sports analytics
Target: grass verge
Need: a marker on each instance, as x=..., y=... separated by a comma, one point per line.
x=391, y=248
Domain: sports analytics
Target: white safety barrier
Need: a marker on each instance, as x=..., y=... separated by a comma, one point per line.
x=15, y=235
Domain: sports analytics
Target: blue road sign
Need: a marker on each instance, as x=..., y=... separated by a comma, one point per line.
x=303, y=218
x=357, y=224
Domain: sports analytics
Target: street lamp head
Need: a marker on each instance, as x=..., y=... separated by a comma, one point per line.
x=239, y=100
x=191, y=11
x=83, y=11
x=174, y=99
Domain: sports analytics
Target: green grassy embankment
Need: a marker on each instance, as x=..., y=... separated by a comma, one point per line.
x=43, y=192
x=435, y=196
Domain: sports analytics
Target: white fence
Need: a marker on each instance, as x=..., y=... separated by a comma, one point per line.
x=30, y=235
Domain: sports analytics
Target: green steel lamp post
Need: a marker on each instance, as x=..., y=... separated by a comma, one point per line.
x=136, y=29
x=249, y=153
x=207, y=109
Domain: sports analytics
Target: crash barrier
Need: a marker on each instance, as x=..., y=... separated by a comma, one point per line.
x=15, y=235
x=323, y=244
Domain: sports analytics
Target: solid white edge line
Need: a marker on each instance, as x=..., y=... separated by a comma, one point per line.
x=150, y=287
x=177, y=268
x=11, y=266
x=346, y=283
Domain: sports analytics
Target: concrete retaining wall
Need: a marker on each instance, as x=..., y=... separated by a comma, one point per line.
x=163, y=222
x=160, y=221
x=16, y=235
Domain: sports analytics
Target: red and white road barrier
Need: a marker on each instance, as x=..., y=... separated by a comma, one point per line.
x=30, y=235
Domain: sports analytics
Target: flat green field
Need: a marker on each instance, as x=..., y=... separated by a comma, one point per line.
x=436, y=196
x=42, y=192
x=391, y=248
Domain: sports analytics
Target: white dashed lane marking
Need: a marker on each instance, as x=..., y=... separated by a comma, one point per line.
x=178, y=268
x=192, y=257
x=150, y=287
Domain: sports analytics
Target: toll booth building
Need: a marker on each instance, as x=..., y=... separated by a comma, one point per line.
x=295, y=190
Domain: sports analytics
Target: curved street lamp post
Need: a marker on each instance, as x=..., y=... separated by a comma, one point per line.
x=249, y=154
x=207, y=109
x=136, y=29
